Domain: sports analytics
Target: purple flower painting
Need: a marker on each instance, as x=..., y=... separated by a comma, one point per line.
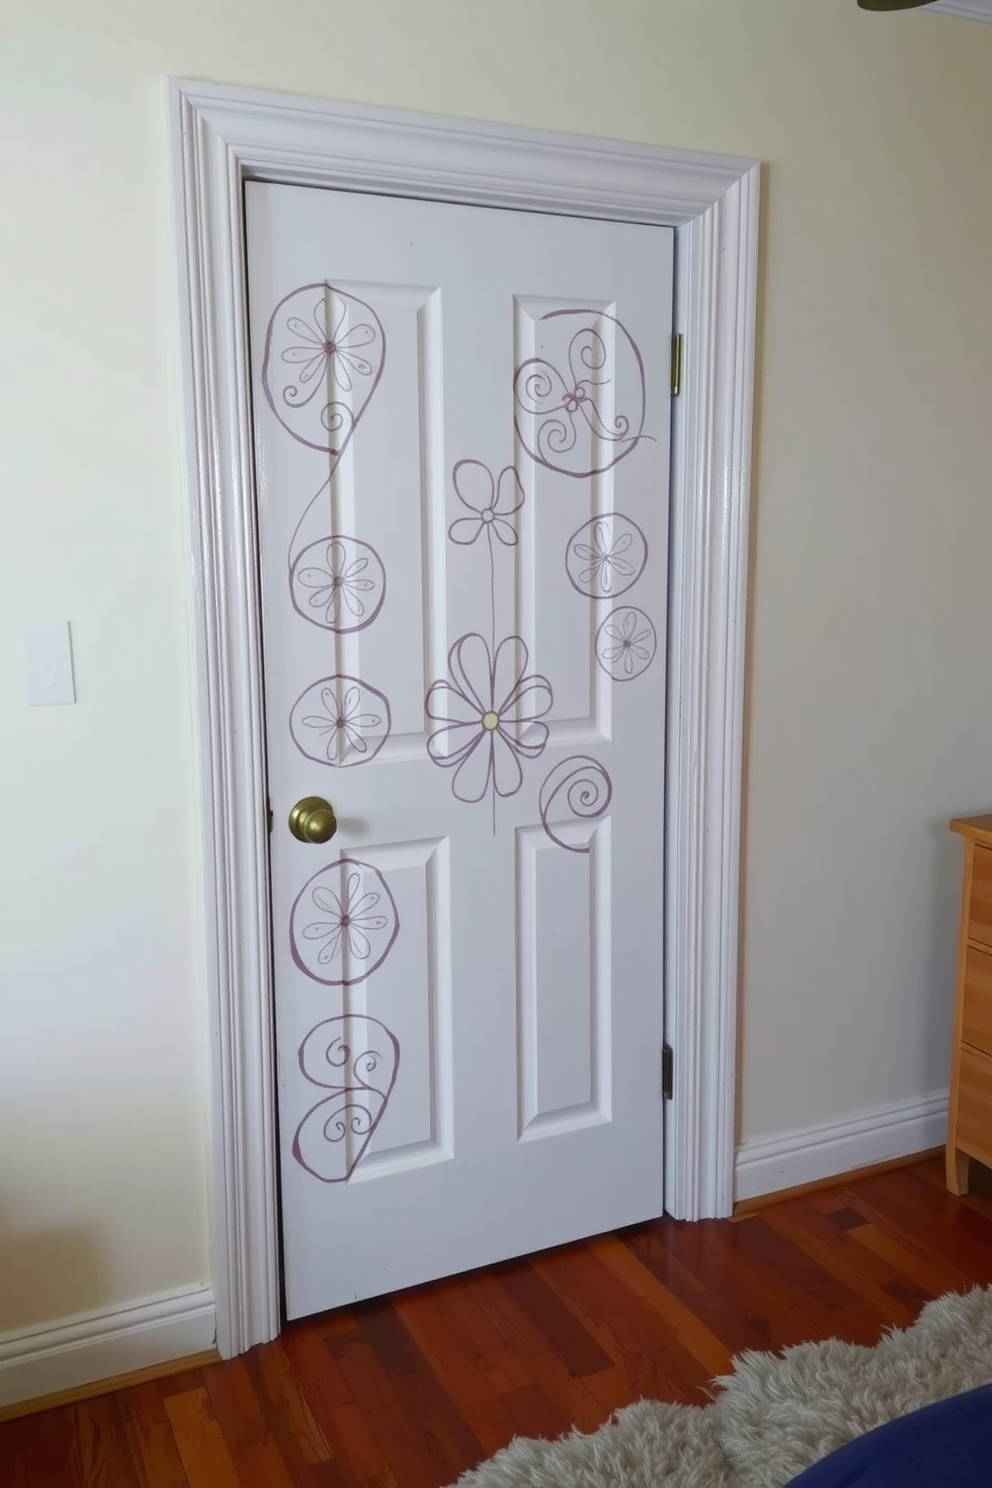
x=343, y=924
x=357, y=1059
x=324, y=354
x=606, y=557
x=339, y=584
x=340, y=721
x=492, y=502
x=563, y=398
x=625, y=643
x=489, y=713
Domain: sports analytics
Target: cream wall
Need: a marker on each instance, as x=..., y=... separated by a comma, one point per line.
x=870, y=705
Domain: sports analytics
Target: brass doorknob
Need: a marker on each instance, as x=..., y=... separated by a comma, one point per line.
x=313, y=820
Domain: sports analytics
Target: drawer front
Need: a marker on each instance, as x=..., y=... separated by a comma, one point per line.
x=980, y=908
x=974, y=1128
x=977, y=1007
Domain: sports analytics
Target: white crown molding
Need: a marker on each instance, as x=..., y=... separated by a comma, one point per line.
x=222, y=136
x=770, y=1164
x=95, y=1346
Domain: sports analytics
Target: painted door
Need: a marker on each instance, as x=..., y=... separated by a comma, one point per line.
x=462, y=448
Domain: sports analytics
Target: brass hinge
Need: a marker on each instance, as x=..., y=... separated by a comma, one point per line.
x=676, y=364
x=667, y=1070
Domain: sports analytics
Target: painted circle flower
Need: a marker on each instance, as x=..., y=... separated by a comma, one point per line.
x=606, y=556
x=489, y=712
x=492, y=502
x=340, y=721
x=315, y=350
x=338, y=583
x=625, y=643
x=343, y=924
x=324, y=354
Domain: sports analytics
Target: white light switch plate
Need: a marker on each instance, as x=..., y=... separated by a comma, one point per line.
x=48, y=663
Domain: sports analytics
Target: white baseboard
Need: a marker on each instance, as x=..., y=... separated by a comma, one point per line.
x=768, y=1164
x=99, y=1345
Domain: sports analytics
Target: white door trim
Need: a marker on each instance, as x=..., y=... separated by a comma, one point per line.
x=221, y=136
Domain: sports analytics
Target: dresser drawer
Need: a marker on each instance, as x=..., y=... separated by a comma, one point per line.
x=980, y=907
x=974, y=1126
x=976, y=1025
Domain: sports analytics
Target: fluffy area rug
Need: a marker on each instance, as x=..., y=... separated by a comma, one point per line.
x=772, y=1418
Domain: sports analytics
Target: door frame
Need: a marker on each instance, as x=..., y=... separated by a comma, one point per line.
x=221, y=136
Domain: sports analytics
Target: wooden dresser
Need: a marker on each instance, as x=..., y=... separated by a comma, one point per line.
x=969, y=1115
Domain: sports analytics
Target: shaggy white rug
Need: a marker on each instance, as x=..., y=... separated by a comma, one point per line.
x=773, y=1417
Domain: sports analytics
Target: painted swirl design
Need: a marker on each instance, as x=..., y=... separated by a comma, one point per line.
x=356, y=1058
x=565, y=401
x=579, y=785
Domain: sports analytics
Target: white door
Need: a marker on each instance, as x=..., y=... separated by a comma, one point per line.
x=462, y=449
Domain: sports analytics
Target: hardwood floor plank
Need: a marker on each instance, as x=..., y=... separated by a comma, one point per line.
x=409, y=1446
x=923, y=1252
x=973, y=1216
x=322, y=1475
x=503, y=1365
x=16, y=1457
x=536, y=1413
x=149, y=1435
x=873, y=1279
x=342, y=1423
x=979, y=1195
x=932, y=1274
x=43, y=1448
x=200, y=1441
x=420, y=1389
x=699, y=1342
x=653, y=1361
x=458, y=1365
x=545, y=1365
x=300, y=1438
x=182, y=1383
x=938, y=1222
x=722, y=1288
x=245, y=1426
x=775, y=1257
x=103, y=1456
x=572, y=1342
x=408, y=1391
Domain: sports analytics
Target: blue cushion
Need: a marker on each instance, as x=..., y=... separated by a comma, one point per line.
x=949, y=1443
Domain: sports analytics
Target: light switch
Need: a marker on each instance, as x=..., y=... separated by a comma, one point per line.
x=48, y=662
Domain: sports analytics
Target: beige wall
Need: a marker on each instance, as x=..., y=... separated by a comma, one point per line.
x=870, y=705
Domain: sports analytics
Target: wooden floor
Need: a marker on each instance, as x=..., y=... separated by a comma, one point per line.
x=409, y=1392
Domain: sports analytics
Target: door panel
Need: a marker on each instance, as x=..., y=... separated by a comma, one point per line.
x=462, y=461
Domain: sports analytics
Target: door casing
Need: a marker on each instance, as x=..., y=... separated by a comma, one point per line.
x=220, y=137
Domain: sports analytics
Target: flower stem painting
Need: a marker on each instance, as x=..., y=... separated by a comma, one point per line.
x=490, y=706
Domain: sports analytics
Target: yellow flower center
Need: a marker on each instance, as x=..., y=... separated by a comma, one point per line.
x=490, y=721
